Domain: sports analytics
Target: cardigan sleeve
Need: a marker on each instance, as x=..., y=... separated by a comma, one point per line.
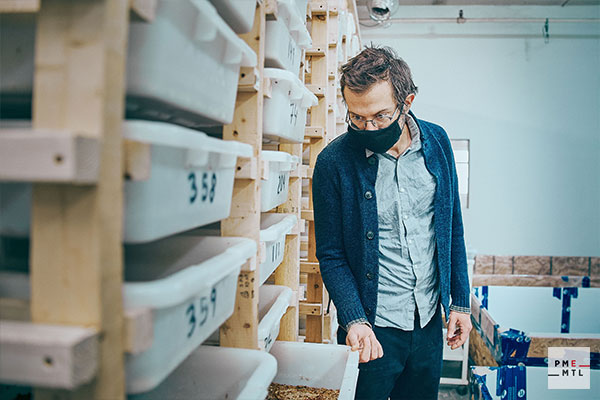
x=459, y=278
x=335, y=270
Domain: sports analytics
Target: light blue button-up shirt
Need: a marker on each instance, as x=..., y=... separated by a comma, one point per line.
x=408, y=276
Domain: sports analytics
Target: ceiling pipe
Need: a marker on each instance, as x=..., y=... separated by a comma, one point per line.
x=492, y=20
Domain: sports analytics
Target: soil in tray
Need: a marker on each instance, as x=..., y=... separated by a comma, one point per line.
x=288, y=392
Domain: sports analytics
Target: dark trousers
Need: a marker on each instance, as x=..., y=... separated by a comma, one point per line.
x=411, y=364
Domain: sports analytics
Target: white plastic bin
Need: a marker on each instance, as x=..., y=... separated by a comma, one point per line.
x=284, y=114
x=273, y=229
x=190, y=184
x=183, y=67
x=190, y=299
x=239, y=14
x=212, y=373
x=281, y=49
x=273, y=302
x=189, y=58
x=274, y=189
x=285, y=38
x=328, y=366
x=302, y=6
x=190, y=285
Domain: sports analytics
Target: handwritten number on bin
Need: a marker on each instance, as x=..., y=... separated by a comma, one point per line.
x=208, y=190
x=204, y=305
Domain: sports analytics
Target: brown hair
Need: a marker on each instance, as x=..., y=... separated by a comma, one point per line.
x=375, y=64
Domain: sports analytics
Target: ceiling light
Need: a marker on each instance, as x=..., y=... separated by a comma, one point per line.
x=381, y=10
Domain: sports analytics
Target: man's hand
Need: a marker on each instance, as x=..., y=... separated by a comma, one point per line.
x=361, y=337
x=459, y=326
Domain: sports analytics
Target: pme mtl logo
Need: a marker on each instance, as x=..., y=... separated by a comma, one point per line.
x=568, y=367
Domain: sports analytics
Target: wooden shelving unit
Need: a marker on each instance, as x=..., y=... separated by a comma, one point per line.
x=329, y=38
x=76, y=256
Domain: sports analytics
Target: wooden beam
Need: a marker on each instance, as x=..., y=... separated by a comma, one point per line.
x=271, y=8
x=314, y=131
x=138, y=329
x=318, y=7
x=137, y=160
x=317, y=90
x=241, y=329
x=48, y=156
x=288, y=274
x=246, y=168
x=249, y=79
x=52, y=356
x=539, y=345
x=310, y=267
x=144, y=9
x=314, y=309
x=479, y=351
x=19, y=6
x=308, y=215
x=533, y=280
x=317, y=51
x=76, y=234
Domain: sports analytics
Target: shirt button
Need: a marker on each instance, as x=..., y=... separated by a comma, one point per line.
x=405, y=216
x=368, y=311
x=368, y=195
x=369, y=276
x=372, y=160
x=370, y=235
x=410, y=241
x=402, y=190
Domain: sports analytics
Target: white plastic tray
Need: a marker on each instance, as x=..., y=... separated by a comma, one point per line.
x=273, y=302
x=239, y=14
x=190, y=184
x=274, y=189
x=284, y=114
x=285, y=42
x=182, y=68
x=328, y=366
x=273, y=228
x=212, y=373
x=190, y=285
x=191, y=298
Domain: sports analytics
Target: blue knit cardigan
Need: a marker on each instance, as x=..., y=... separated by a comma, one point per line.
x=346, y=225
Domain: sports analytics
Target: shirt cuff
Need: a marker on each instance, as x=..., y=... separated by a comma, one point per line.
x=464, y=310
x=358, y=321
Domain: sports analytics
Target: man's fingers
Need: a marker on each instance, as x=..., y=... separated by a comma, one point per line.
x=352, y=341
x=365, y=354
x=377, y=345
x=451, y=326
x=374, y=348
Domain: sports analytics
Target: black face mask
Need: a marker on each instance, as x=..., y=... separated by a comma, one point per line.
x=378, y=141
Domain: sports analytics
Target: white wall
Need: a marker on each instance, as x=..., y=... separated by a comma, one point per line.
x=531, y=111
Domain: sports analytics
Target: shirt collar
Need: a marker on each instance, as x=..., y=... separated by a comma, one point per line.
x=415, y=136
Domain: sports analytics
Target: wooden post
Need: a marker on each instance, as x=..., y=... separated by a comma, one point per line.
x=76, y=234
x=241, y=329
x=288, y=272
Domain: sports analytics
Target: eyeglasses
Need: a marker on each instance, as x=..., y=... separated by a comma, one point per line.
x=381, y=121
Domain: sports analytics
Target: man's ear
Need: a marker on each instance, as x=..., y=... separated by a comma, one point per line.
x=408, y=102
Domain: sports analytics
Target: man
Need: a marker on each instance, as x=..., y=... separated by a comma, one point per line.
x=389, y=233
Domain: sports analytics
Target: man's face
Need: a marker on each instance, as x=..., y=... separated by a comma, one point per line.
x=377, y=100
